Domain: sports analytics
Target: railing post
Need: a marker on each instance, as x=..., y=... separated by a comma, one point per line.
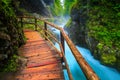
x=35, y=24
x=62, y=42
x=21, y=19
x=45, y=29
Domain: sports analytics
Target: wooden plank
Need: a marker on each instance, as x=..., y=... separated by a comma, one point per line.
x=27, y=51
x=43, y=63
x=31, y=54
x=56, y=75
x=37, y=47
x=37, y=63
x=45, y=68
x=32, y=43
x=42, y=55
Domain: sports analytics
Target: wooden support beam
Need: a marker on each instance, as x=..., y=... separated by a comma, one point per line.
x=35, y=24
x=45, y=30
x=21, y=19
x=62, y=42
x=87, y=70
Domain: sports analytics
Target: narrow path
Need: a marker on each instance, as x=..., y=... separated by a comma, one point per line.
x=43, y=63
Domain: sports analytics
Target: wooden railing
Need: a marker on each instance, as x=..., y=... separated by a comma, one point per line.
x=87, y=70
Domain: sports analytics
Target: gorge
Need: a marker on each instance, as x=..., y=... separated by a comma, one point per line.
x=95, y=33
x=79, y=33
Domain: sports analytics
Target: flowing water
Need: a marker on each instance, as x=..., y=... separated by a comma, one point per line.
x=104, y=72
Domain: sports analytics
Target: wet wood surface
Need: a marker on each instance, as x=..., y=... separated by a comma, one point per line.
x=43, y=62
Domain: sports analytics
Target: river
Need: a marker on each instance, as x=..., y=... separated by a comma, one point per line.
x=104, y=72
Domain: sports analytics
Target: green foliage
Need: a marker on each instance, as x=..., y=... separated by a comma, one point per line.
x=10, y=27
x=102, y=19
x=28, y=26
x=100, y=46
x=68, y=4
x=109, y=59
x=68, y=23
x=104, y=26
x=8, y=11
x=11, y=65
x=57, y=9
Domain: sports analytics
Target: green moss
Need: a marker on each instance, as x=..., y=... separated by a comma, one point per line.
x=105, y=29
x=68, y=6
x=68, y=23
x=100, y=46
x=101, y=26
x=28, y=26
x=74, y=6
x=11, y=65
x=57, y=9
x=13, y=36
x=108, y=59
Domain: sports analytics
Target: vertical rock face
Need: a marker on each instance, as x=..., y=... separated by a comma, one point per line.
x=36, y=6
x=49, y=2
x=78, y=24
x=11, y=35
x=92, y=27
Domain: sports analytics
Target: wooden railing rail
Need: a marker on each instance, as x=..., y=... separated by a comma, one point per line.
x=87, y=70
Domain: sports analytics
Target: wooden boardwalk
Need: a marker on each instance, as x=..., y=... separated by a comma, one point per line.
x=43, y=62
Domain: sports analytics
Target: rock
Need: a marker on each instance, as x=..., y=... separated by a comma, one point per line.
x=3, y=56
x=79, y=36
x=84, y=29
x=4, y=36
x=36, y=6
x=11, y=35
x=49, y=2
x=22, y=61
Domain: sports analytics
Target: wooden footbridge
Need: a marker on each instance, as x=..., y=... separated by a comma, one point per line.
x=44, y=61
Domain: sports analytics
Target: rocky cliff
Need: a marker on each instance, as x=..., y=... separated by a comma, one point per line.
x=92, y=27
x=77, y=24
x=37, y=6
x=11, y=35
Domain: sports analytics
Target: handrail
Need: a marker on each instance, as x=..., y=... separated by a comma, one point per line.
x=87, y=70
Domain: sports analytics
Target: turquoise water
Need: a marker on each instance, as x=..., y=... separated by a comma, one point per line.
x=104, y=72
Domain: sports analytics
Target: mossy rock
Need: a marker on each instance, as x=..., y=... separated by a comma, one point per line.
x=11, y=34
